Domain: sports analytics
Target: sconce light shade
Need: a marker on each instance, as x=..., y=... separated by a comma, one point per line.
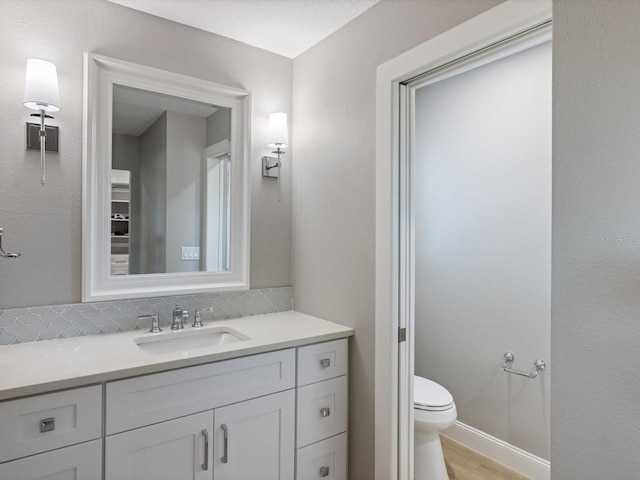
x=41, y=86
x=278, y=133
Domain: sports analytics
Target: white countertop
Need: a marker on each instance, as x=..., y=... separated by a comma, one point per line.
x=38, y=367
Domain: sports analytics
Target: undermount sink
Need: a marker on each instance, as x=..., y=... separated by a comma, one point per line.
x=185, y=340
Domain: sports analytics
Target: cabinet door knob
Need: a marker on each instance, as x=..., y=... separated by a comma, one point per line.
x=47, y=425
x=325, y=362
x=325, y=412
x=324, y=471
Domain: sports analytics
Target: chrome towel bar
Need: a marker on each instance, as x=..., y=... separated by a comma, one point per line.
x=508, y=358
x=2, y=252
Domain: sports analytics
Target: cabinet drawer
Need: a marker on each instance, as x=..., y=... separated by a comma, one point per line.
x=321, y=410
x=82, y=461
x=322, y=361
x=119, y=259
x=141, y=401
x=44, y=422
x=119, y=269
x=325, y=460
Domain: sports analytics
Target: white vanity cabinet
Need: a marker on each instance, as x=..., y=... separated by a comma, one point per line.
x=279, y=415
x=154, y=432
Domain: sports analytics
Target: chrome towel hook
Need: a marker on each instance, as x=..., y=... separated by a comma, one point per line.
x=508, y=358
x=4, y=254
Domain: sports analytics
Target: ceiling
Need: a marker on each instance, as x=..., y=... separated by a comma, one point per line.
x=135, y=110
x=285, y=27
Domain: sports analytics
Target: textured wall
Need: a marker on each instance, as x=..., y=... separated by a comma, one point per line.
x=334, y=181
x=595, y=326
x=483, y=242
x=44, y=223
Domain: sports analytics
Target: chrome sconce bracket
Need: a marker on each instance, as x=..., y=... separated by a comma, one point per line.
x=33, y=136
x=271, y=167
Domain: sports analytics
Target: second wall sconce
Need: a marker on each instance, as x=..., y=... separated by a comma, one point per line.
x=278, y=138
x=41, y=93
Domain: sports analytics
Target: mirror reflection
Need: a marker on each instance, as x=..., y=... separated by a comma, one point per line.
x=170, y=184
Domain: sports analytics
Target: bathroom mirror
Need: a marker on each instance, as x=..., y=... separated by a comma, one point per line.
x=165, y=183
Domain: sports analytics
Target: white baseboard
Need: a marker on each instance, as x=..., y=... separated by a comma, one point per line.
x=500, y=451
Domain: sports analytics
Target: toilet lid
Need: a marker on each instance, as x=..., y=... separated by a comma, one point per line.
x=430, y=395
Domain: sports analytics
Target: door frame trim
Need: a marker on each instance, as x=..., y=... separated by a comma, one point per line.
x=393, y=360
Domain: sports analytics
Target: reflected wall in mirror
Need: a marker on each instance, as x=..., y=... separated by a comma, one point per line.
x=165, y=187
x=169, y=184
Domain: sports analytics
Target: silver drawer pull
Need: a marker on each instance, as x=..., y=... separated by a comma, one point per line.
x=325, y=362
x=205, y=434
x=325, y=412
x=225, y=453
x=324, y=471
x=47, y=425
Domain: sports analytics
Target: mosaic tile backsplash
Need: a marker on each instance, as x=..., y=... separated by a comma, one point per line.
x=20, y=325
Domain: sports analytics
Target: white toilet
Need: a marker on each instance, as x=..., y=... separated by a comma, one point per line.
x=433, y=410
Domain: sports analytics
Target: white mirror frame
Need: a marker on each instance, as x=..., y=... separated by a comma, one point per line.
x=100, y=73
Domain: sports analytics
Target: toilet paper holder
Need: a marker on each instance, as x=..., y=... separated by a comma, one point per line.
x=509, y=357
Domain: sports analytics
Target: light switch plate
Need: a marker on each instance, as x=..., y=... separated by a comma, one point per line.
x=190, y=253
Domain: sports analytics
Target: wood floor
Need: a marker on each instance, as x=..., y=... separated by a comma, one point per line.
x=465, y=464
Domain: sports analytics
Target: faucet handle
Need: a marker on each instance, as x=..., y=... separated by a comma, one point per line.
x=155, y=322
x=197, y=318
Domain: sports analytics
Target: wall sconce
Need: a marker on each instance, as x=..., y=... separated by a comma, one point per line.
x=278, y=138
x=41, y=93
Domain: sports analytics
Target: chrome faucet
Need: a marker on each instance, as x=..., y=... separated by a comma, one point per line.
x=197, y=320
x=178, y=318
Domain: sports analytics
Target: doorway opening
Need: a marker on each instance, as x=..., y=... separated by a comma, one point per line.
x=480, y=173
x=486, y=38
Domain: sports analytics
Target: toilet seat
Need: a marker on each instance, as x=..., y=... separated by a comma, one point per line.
x=431, y=396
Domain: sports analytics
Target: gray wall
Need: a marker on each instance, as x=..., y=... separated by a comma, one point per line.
x=595, y=326
x=483, y=242
x=334, y=181
x=44, y=223
x=153, y=198
x=219, y=126
x=186, y=141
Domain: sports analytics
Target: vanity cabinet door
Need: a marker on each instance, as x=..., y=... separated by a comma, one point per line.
x=255, y=439
x=172, y=450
